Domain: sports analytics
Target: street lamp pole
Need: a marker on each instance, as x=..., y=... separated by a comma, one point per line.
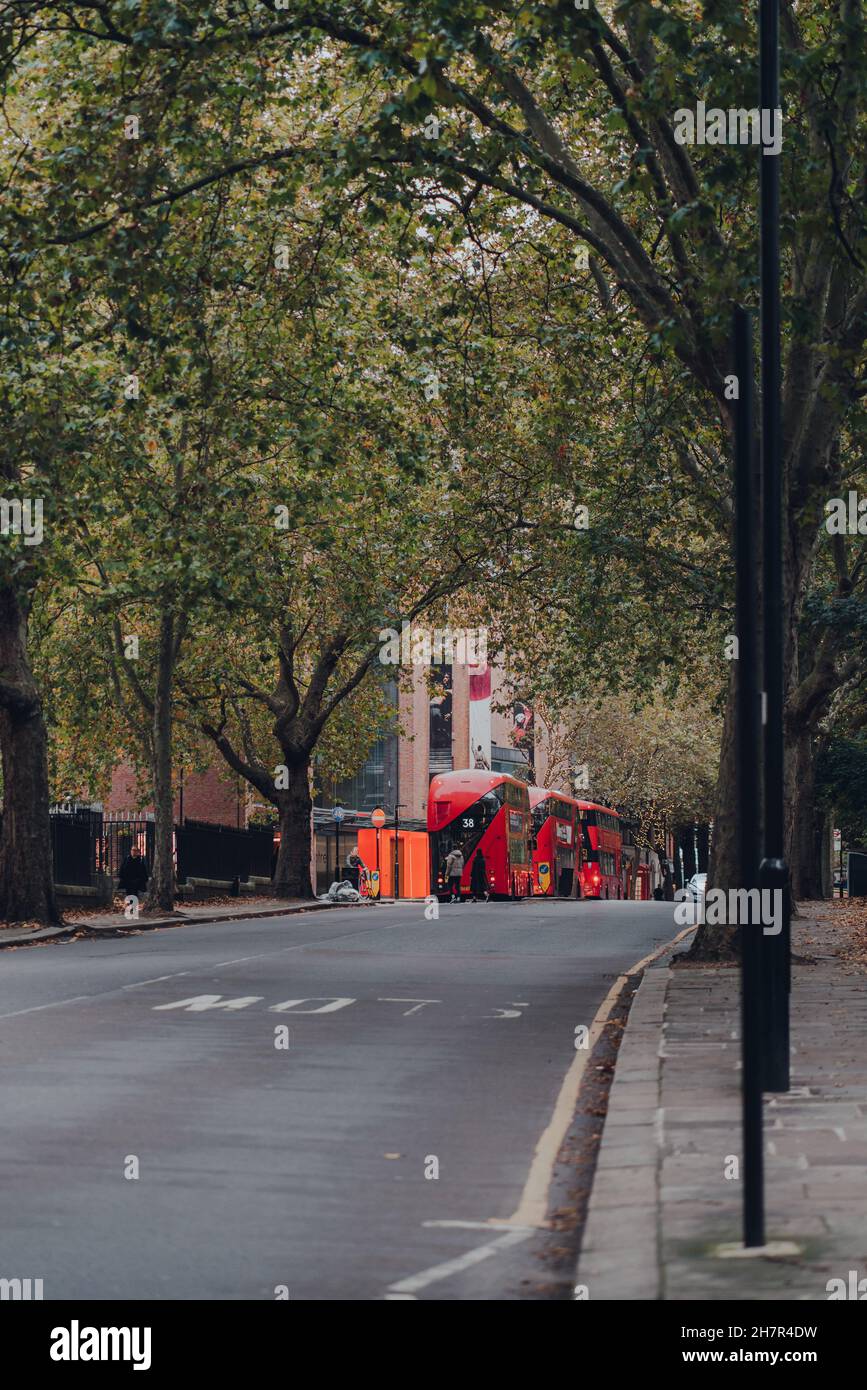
x=773, y=874
x=748, y=741
x=397, y=809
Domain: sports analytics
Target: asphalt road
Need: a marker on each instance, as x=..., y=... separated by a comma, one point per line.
x=290, y=1141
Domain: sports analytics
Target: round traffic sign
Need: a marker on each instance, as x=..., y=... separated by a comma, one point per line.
x=377, y=818
x=338, y=813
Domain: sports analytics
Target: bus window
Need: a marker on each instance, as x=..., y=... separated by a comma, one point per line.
x=469, y=826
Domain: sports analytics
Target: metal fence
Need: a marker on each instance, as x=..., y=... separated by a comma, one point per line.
x=116, y=839
x=74, y=835
x=220, y=852
x=86, y=843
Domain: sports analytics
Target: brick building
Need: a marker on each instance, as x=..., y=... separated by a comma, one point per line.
x=435, y=714
x=445, y=729
x=216, y=795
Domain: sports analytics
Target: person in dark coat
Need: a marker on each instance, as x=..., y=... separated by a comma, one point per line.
x=454, y=873
x=667, y=882
x=479, y=877
x=133, y=875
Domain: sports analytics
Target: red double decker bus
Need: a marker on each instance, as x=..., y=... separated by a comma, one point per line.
x=602, y=839
x=556, y=843
x=472, y=810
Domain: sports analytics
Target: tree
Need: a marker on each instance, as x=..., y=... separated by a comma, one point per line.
x=571, y=116
x=656, y=762
x=47, y=325
x=327, y=590
x=552, y=119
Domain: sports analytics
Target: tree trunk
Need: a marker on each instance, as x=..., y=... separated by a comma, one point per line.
x=295, y=804
x=808, y=827
x=161, y=890
x=26, y=870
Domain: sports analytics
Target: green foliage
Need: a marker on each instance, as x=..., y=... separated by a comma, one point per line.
x=841, y=781
x=407, y=254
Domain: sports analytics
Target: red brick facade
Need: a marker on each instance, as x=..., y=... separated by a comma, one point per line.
x=216, y=796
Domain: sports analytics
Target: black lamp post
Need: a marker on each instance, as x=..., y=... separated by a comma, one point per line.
x=748, y=741
x=773, y=874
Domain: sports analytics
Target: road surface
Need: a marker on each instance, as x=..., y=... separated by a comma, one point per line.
x=334, y=1105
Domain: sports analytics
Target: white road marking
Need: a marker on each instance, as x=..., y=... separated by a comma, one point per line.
x=240, y=960
x=156, y=980
x=504, y=1013
x=337, y=1002
x=419, y=1003
x=532, y=1210
x=58, y=1003
x=462, y=1262
x=198, y=1003
x=106, y=993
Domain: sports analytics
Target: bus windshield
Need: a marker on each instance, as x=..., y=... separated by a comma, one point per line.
x=467, y=828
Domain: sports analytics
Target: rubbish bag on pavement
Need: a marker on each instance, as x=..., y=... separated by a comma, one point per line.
x=341, y=893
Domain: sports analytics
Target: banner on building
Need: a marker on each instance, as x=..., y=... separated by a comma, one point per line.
x=440, y=719
x=480, y=716
x=523, y=731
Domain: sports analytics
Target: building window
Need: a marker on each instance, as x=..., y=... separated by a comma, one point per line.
x=510, y=760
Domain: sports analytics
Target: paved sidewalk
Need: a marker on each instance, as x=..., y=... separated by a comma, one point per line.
x=661, y=1201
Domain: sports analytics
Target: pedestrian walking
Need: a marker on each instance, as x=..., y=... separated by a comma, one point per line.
x=133, y=874
x=667, y=882
x=454, y=871
x=479, y=877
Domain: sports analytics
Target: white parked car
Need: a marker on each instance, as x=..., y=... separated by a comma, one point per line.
x=696, y=886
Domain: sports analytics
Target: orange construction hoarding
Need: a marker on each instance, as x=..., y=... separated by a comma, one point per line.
x=414, y=860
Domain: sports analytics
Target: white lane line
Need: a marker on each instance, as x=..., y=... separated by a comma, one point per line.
x=242, y=960
x=156, y=980
x=284, y=950
x=532, y=1210
x=201, y=970
x=456, y=1266
x=57, y=1004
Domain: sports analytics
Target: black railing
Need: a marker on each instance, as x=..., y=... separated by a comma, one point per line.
x=222, y=853
x=117, y=838
x=86, y=843
x=74, y=834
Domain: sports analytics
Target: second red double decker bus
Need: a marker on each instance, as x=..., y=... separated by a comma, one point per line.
x=602, y=839
x=556, y=844
x=472, y=810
